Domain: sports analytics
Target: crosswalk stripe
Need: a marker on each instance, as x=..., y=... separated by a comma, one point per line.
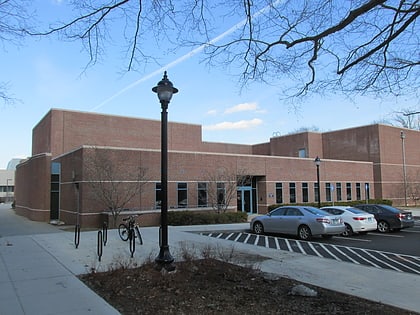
x=344, y=254
x=387, y=260
x=314, y=249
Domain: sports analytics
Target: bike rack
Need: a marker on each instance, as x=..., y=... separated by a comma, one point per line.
x=100, y=244
x=77, y=235
x=132, y=238
x=105, y=233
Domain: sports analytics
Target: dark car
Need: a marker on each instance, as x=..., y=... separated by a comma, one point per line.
x=389, y=218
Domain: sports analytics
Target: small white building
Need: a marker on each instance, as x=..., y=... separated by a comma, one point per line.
x=7, y=185
x=7, y=181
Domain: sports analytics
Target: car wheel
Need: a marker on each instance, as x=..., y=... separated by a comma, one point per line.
x=348, y=231
x=258, y=228
x=383, y=226
x=304, y=232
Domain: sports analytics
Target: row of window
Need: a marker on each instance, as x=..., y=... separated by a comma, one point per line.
x=329, y=192
x=7, y=188
x=202, y=195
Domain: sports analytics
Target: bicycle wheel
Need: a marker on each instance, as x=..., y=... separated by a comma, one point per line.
x=123, y=231
x=139, y=235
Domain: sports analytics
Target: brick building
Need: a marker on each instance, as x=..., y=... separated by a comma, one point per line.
x=356, y=164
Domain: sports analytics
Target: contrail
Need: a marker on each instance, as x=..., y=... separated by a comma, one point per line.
x=186, y=56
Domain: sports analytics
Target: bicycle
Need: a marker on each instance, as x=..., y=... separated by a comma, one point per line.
x=126, y=230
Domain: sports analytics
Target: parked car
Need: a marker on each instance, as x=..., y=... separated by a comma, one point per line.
x=302, y=221
x=356, y=220
x=389, y=218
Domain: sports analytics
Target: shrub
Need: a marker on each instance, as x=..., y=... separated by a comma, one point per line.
x=205, y=218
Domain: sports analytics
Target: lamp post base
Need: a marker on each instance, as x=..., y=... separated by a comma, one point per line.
x=165, y=259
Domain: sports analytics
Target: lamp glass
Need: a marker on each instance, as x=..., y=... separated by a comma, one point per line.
x=164, y=94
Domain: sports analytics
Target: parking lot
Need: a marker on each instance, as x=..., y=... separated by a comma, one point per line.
x=399, y=251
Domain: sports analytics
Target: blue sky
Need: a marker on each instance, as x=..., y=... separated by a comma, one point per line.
x=46, y=73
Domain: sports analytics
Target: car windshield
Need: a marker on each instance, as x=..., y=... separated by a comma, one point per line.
x=316, y=211
x=355, y=210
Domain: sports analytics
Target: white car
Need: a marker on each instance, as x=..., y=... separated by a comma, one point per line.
x=356, y=220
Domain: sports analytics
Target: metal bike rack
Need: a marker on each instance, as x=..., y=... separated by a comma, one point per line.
x=77, y=235
x=100, y=245
x=105, y=233
x=132, y=239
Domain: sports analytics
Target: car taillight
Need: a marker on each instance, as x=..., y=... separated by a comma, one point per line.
x=400, y=215
x=359, y=218
x=323, y=220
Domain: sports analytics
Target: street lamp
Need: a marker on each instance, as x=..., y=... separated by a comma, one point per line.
x=318, y=163
x=404, y=169
x=164, y=90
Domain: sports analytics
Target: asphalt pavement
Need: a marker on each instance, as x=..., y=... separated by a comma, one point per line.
x=38, y=270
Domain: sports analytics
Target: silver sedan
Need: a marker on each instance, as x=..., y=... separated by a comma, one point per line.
x=302, y=221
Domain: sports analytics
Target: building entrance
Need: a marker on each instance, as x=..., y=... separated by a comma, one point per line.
x=247, y=194
x=55, y=191
x=244, y=199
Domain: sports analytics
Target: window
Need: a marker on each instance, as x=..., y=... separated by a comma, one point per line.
x=279, y=212
x=367, y=190
x=158, y=195
x=358, y=192
x=316, y=188
x=221, y=194
x=338, y=189
x=293, y=212
x=279, y=193
x=7, y=189
x=55, y=191
x=348, y=191
x=328, y=189
x=292, y=192
x=305, y=192
x=182, y=195
x=202, y=194
x=302, y=153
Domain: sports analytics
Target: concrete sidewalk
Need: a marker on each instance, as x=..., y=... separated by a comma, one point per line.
x=38, y=272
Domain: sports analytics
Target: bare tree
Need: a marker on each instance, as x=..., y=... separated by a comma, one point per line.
x=113, y=183
x=222, y=186
x=413, y=187
x=354, y=46
x=14, y=17
x=407, y=118
x=312, y=128
x=5, y=95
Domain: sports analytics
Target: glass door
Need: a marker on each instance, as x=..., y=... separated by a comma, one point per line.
x=244, y=196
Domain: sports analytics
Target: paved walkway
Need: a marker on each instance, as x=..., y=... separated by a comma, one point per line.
x=38, y=273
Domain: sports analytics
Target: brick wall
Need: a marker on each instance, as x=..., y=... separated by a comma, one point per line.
x=370, y=154
x=32, y=190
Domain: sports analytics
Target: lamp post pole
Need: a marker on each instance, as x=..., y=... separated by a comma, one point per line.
x=165, y=90
x=404, y=168
x=317, y=163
